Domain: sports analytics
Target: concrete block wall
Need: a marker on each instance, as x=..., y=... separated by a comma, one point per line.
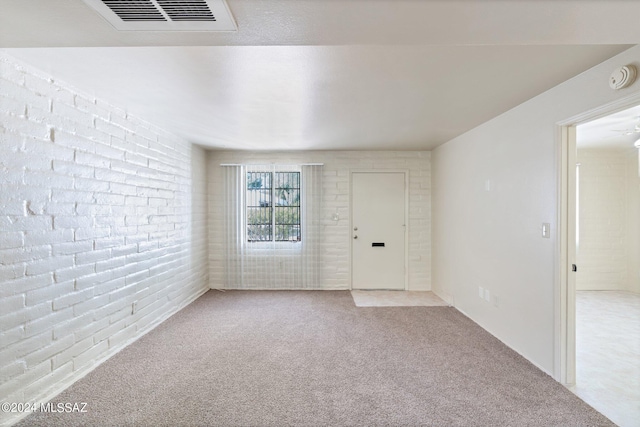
x=337, y=167
x=608, y=220
x=98, y=213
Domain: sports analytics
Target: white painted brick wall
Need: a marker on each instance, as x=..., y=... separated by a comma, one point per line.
x=337, y=167
x=608, y=249
x=98, y=209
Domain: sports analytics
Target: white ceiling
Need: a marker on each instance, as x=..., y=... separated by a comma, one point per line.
x=326, y=74
x=616, y=131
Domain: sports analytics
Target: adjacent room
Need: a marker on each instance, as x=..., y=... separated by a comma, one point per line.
x=249, y=212
x=608, y=260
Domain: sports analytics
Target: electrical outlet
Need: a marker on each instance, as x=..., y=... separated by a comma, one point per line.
x=480, y=291
x=487, y=295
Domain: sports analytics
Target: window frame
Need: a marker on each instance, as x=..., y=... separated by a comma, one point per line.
x=272, y=206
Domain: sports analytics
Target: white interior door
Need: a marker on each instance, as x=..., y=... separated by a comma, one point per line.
x=378, y=230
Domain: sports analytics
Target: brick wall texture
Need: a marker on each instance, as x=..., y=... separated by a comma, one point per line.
x=108, y=225
x=337, y=234
x=609, y=207
x=102, y=230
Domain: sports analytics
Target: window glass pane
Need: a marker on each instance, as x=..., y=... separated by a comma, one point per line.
x=259, y=211
x=287, y=206
x=287, y=233
x=259, y=233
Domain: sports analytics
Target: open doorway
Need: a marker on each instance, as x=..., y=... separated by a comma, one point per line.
x=605, y=289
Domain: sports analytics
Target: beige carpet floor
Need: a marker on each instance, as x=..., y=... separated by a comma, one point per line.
x=278, y=358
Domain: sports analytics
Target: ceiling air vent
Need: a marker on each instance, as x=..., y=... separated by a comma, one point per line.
x=166, y=15
x=187, y=10
x=135, y=10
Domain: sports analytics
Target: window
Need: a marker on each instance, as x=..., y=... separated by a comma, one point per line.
x=273, y=207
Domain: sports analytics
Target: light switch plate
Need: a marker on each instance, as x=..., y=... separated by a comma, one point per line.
x=546, y=230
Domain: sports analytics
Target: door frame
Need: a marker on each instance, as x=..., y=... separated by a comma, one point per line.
x=565, y=292
x=406, y=220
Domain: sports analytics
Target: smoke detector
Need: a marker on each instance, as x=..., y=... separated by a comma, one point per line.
x=622, y=77
x=166, y=15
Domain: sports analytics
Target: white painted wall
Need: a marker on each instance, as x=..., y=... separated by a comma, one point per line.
x=633, y=222
x=493, y=238
x=608, y=247
x=97, y=210
x=337, y=167
x=199, y=239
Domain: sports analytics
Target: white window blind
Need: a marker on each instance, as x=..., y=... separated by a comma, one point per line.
x=272, y=264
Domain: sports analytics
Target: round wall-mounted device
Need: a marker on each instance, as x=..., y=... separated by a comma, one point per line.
x=622, y=77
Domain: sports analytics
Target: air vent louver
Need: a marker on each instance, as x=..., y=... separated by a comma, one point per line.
x=187, y=10
x=135, y=10
x=166, y=15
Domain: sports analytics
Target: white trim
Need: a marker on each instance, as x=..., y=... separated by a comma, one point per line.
x=604, y=110
x=564, y=295
x=406, y=220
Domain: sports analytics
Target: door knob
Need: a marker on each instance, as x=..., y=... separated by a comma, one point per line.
x=355, y=237
x=355, y=228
